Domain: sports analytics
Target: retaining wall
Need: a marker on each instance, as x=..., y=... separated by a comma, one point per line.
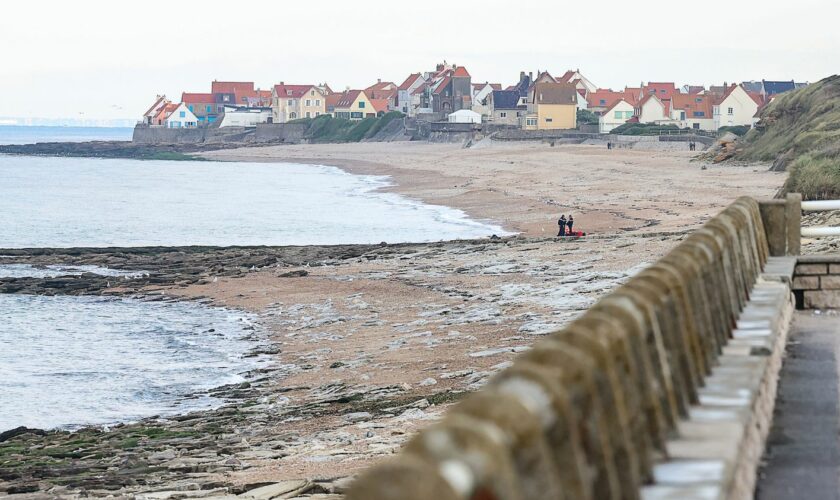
x=816, y=282
x=625, y=395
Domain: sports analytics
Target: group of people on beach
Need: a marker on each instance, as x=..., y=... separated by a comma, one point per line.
x=565, y=225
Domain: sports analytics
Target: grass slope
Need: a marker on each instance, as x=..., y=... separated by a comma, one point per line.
x=800, y=130
x=325, y=128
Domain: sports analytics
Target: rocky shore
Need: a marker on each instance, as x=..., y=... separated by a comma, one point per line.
x=117, y=149
x=347, y=323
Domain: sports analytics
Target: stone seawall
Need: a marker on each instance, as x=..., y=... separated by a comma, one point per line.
x=816, y=282
x=267, y=133
x=672, y=374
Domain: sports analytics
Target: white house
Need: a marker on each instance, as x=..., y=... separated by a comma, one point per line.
x=181, y=117
x=653, y=110
x=160, y=102
x=407, y=104
x=736, y=108
x=615, y=115
x=240, y=116
x=465, y=116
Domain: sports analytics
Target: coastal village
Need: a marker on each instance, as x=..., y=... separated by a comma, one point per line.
x=537, y=101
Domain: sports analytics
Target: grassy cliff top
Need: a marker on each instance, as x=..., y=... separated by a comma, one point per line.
x=800, y=131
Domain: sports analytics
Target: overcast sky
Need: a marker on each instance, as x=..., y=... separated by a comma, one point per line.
x=108, y=59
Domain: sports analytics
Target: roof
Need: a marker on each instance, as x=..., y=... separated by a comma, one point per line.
x=567, y=77
x=616, y=103
x=752, y=86
x=380, y=85
x=380, y=105
x=408, y=82
x=609, y=97
x=554, y=93
x=663, y=90
x=166, y=111
x=332, y=100
x=774, y=87
x=693, y=104
x=506, y=99
x=461, y=71
x=240, y=90
x=160, y=101
x=197, y=98
x=291, y=91
x=441, y=85
x=696, y=89
x=347, y=98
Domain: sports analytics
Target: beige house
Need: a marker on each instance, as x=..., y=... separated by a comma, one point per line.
x=354, y=105
x=551, y=106
x=291, y=102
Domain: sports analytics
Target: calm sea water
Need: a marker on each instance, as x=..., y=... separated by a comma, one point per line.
x=65, y=202
x=13, y=134
x=71, y=361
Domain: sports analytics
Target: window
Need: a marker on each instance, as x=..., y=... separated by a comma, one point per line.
x=291, y=102
x=182, y=114
x=191, y=108
x=531, y=122
x=292, y=115
x=503, y=114
x=209, y=108
x=602, y=102
x=308, y=115
x=317, y=113
x=662, y=91
x=312, y=92
x=317, y=102
x=309, y=102
x=698, y=99
x=696, y=126
x=700, y=113
x=628, y=114
x=682, y=115
x=549, y=120
x=619, y=115
x=361, y=104
x=357, y=114
x=730, y=111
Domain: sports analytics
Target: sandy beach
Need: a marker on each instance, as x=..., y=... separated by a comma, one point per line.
x=374, y=344
x=526, y=186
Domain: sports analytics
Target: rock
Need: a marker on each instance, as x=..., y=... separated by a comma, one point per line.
x=427, y=382
x=283, y=489
x=167, y=454
x=299, y=273
x=359, y=416
x=17, y=431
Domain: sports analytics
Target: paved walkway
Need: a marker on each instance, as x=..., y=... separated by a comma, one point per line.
x=802, y=460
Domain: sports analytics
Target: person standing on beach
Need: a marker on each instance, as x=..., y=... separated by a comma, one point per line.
x=562, y=223
x=569, y=223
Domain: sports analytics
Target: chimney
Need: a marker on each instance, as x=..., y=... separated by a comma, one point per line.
x=282, y=83
x=379, y=80
x=521, y=75
x=531, y=75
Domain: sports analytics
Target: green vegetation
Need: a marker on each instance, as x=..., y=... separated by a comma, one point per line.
x=739, y=130
x=800, y=131
x=586, y=117
x=325, y=128
x=646, y=129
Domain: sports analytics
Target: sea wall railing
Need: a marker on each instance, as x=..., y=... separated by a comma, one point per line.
x=820, y=206
x=588, y=410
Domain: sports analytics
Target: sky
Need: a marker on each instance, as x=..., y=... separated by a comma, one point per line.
x=108, y=59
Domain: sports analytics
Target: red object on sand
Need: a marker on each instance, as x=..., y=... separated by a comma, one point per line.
x=576, y=234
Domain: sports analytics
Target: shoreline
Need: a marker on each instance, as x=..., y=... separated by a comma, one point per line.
x=374, y=341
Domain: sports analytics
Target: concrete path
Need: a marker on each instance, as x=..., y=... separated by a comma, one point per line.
x=802, y=459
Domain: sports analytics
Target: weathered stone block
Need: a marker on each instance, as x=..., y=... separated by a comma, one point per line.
x=811, y=269
x=806, y=283
x=830, y=282
x=822, y=299
x=834, y=269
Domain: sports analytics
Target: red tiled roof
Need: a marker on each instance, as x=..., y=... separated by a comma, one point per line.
x=166, y=111
x=409, y=81
x=420, y=89
x=240, y=90
x=608, y=96
x=663, y=90
x=692, y=104
x=380, y=105
x=567, y=77
x=332, y=100
x=460, y=71
x=442, y=85
x=197, y=98
x=291, y=91
x=348, y=98
x=160, y=101
x=380, y=86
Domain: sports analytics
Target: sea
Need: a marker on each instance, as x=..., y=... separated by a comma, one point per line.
x=67, y=361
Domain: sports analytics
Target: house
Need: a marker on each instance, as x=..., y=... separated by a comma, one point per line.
x=405, y=102
x=551, y=106
x=203, y=106
x=602, y=99
x=771, y=88
x=159, y=119
x=231, y=94
x=384, y=90
x=580, y=82
x=353, y=105
x=652, y=109
x=380, y=106
x=290, y=102
x=737, y=107
x=505, y=107
x=180, y=117
x=662, y=90
x=480, y=92
x=451, y=89
x=464, y=116
x=245, y=116
x=160, y=102
x=618, y=113
x=693, y=111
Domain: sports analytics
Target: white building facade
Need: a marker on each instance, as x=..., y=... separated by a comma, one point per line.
x=181, y=117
